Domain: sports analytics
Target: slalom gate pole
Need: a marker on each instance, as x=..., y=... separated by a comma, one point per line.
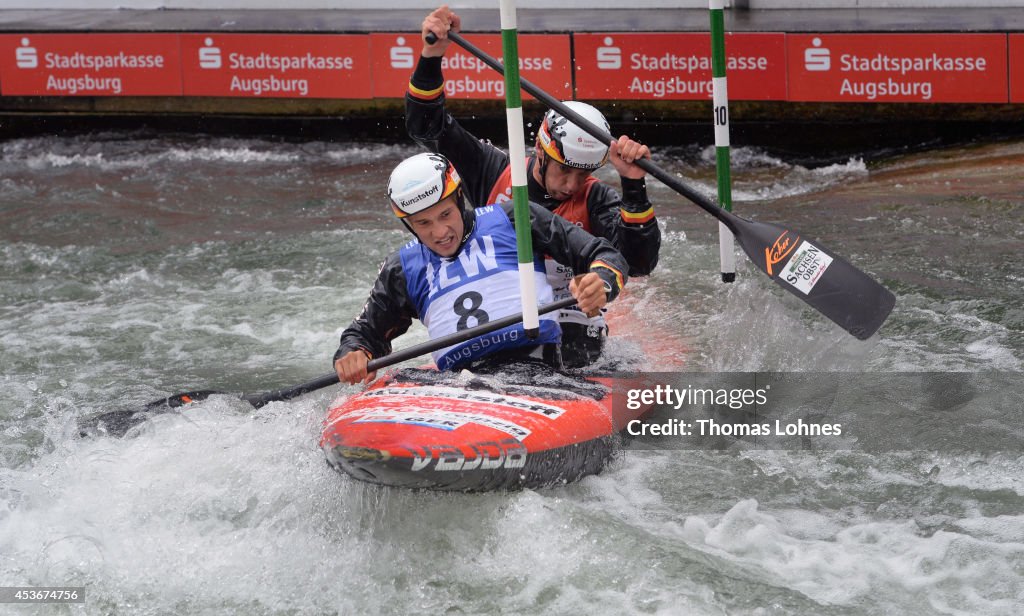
x=517, y=154
x=720, y=108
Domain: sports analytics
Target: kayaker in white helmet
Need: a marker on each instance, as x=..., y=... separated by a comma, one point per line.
x=462, y=270
x=559, y=179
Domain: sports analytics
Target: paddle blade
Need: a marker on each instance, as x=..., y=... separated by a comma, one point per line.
x=823, y=279
x=117, y=423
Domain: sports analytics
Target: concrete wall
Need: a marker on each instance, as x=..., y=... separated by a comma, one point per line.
x=883, y=4
x=426, y=5
x=333, y=4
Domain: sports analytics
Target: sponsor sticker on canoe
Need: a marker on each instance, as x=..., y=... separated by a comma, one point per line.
x=806, y=267
x=276, y=65
x=443, y=420
x=677, y=66
x=911, y=68
x=453, y=393
x=543, y=60
x=414, y=416
x=90, y=65
x=1016, y=42
x=490, y=455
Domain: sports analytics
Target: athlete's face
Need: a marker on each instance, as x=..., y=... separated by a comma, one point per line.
x=439, y=227
x=560, y=181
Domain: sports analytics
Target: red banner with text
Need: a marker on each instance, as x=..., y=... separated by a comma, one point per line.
x=90, y=65
x=1016, y=43
x=677, y=66
x=544, y=60
x=276, y=65
x=905, y=68
x=861, y=67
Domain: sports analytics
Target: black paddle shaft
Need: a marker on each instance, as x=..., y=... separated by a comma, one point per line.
x=825, y=281
x=117, y=423
x=430, y=346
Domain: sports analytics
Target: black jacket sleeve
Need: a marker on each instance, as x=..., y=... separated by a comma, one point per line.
x=387, y=313
x=628, y=222
x=479, y=164
x=570, y=245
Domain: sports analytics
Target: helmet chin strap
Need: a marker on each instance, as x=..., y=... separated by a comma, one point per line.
x=542, y=169
x=468, y=220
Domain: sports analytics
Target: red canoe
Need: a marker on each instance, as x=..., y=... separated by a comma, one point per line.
x=524, y=427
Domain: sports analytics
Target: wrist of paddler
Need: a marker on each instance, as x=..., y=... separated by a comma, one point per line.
x=591, y=293
x=351, y=367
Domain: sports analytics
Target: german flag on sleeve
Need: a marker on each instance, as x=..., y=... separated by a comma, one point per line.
x=426, y=95
x=637, y=218
x=619, y=280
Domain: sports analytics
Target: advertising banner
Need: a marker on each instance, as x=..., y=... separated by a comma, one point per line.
x=904, y=68
x=1016, y=68
x=543, y=60
x=90, y=65
x=276, y=65
x=677, y=66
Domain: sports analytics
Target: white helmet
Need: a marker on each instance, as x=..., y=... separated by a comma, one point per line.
x=421, y=181
x=569, y=144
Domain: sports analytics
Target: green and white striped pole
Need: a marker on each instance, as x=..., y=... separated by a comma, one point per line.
x=517, y=153
x=720, y=98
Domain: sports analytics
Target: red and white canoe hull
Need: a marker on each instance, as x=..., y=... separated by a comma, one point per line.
x=418, y=429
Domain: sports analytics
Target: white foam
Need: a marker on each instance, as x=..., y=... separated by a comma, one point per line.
x=241, y=155
x=888, y=563
x=759, y=176
x=993, y=352
x=40, y=154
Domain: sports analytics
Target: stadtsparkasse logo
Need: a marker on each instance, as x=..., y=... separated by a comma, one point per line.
x=401, y=55
x=27, y=56
x=816, y=57
x=778, y=251
x=609, y=57
x=209, y=56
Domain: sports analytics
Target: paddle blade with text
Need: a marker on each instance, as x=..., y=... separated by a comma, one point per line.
x=826, y=281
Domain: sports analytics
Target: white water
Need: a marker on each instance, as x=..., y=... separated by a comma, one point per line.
x=137, y=268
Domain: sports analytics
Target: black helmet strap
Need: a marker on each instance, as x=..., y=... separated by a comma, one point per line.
x=542, y=169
